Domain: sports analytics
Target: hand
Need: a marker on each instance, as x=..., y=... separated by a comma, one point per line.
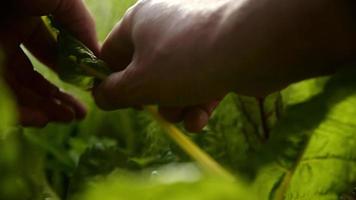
x=183, y=55
x=39, y=101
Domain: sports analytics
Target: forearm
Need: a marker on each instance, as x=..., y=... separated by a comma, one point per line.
x=297, y=38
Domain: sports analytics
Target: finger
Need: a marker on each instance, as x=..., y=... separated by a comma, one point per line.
x=24, y=74
x=39, y=85
x=118, y=49
x=42, y=44
x=20, y=67
x=128, y=88
x=172, y=114
x=32, y=117
x=34, y=35
x=136, y=86
x=13, y=33
x=58, y=112
x=33, y=7
x=197, y=117
x=16, y=60
x=32, y=90
x=105, y=93
x=73, y=15
x=113, y=92
x=26, y=97
x=79, y=109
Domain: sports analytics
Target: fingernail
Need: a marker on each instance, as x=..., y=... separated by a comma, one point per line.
x=195, y=120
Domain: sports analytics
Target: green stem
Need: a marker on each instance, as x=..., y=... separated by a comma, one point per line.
x=202, y=158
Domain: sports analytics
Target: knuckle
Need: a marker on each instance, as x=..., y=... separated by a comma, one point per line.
x=130, y=13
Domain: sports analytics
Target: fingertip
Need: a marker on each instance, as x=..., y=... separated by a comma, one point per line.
x=32, y=118
x=211, y=106
x=196, y=119
x=79, y=110
x=111, y=95
x=117, y=50
x=105, y=103
x=61, y=113
x=101, y=99
x=77, y=19
x=172, y=114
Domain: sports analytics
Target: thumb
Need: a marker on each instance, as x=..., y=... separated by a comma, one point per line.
x=118, y=48
x=124, y=89
x=105, y=94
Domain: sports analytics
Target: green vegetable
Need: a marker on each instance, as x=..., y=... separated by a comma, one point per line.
x=307, y=157
x=309, y=153
x=311, y=156
x=79, y=66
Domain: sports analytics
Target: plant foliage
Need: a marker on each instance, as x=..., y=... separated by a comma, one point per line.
x=298, y=144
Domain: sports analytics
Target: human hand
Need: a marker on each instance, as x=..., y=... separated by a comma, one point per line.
x=184, y=55
x=40, y=102
x=119, y=43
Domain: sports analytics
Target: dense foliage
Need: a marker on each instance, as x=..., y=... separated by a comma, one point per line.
x=297, y=144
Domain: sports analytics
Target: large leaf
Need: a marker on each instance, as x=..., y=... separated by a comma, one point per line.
x=311, y=154
x=160, y=185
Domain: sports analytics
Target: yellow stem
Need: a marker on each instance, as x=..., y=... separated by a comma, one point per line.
x=202, y=158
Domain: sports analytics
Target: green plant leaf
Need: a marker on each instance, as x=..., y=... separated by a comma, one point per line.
x=8, y=112
x=78, y=64
x=311, y=154
x=122, y=185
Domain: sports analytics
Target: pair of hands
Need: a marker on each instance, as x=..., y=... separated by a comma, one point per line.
x=186, y=55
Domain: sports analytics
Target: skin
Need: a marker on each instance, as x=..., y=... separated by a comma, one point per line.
x=186, y=55
x=40, y=102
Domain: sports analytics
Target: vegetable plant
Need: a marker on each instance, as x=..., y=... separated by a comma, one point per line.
x=298, y=144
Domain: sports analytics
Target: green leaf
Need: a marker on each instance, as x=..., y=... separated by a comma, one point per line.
x=78, y=64
x=22, y=169
x=311, y=154
x=122, y=185
x=7, y=107
x=97, y=161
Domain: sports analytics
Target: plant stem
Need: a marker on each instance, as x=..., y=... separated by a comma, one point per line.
x=202, y=158
x=264, y=125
